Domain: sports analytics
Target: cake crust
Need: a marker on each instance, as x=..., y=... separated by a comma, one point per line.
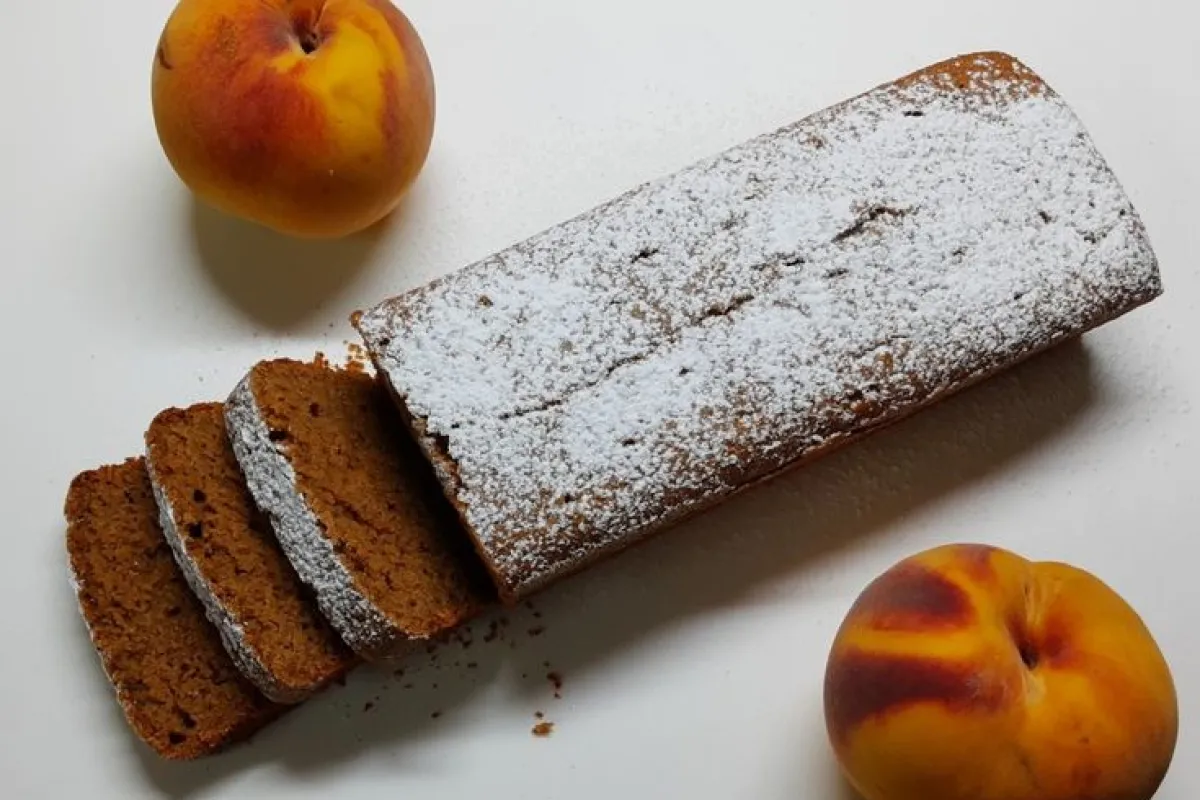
x=619, y=372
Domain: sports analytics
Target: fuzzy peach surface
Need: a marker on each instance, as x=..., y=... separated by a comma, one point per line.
x=312, y=117
x=970, y=673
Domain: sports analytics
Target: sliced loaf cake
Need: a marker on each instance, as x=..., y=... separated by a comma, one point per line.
x=175, y=683
x=354, y=504
x=266, y=616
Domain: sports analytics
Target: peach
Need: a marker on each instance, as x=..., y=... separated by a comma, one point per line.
x=311, y=117
x=967, y=672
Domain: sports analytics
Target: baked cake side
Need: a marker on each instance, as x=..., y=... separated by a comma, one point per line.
x=175, y=683
x=352, y=504
x=229, y=555
x=646, y=359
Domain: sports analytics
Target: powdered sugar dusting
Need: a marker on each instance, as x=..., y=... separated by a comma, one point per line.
x=647, y=358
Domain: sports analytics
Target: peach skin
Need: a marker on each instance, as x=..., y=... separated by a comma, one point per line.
x=311, y=117
x=967, y=672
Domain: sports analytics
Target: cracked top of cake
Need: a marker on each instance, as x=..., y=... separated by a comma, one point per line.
x=704, y=330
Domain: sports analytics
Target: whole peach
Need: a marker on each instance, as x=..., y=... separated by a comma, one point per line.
x=967, y=672
x=311, y=117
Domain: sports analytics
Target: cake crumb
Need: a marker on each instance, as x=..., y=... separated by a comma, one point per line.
x=356, y=367
x=435, y=715
x=539, y=715
x=543, y=729
x=464, y=638
x=557, y=682
x=537, y=630
x=367, y=706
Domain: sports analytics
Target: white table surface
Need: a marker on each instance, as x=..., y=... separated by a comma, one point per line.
x=692, y=666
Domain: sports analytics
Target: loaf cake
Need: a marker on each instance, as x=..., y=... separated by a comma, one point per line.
x=224, y=545
x=354, y=504
x=174, y=681
x=625, y=369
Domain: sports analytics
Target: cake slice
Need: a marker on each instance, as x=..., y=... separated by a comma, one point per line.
x=353, y=504
x=636, y=364
x=175, y=683
x=224, y=545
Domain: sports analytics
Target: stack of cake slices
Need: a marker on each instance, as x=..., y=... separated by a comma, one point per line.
x=546, y=407
x=278, y=539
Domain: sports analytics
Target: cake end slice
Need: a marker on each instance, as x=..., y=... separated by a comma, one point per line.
x=176, y=685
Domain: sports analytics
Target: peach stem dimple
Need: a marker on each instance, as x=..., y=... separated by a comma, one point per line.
x=306, y=26
x=306, y=35
x=1029, y=656
x=1019, y=625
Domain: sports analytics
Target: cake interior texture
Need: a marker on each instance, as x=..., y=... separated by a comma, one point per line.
x=230, y=546
x=373, y=491
x=175, y=683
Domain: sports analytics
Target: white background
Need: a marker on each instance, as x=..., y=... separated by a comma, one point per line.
x=693, y=665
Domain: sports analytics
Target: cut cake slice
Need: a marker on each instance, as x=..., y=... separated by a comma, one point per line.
x=175, y=683
x=266, y=616
x=354, y=504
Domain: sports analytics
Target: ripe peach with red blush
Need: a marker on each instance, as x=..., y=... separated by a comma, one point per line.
x=312, y=117
x=967, y=672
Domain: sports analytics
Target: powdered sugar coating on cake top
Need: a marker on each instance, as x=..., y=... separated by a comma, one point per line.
x=271, y=479
x=703, y=331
